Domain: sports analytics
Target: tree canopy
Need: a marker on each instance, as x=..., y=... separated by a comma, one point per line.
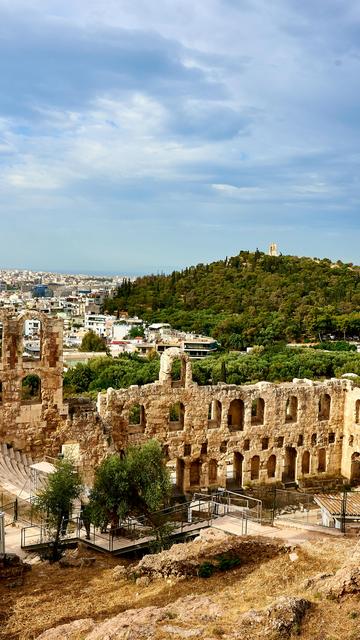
x=136, y=484
x=54, y=502
x=251, y=298
x=92, y=342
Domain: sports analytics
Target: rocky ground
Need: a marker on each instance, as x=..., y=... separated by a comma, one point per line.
x=257, y=589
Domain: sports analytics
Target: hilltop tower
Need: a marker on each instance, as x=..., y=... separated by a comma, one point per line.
x=273, y=249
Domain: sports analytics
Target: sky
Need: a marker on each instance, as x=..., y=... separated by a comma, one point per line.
x=140, y=136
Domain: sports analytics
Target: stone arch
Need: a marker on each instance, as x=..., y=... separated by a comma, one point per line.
x=291, y=409
x=236, y=415
x=305, y=463
x=357, y=411
x=32, y=336
x=255, y=468
x=235, y=471
x=166, y=363
x=355, y=468
x=213, y=471
x=324, y=407
x=271, y=466
x=289, y=473
x=137, y=416
x=257, y=411
x=321, y=460
x=214, y=414
x=176, y=416
x=31, y=389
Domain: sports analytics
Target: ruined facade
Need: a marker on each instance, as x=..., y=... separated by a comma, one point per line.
x=219, y=435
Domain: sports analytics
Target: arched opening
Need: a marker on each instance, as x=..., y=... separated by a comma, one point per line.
x=291, y=409
x=355, y=469
x=176, y=416
x=271, y=466
x=173, y=368
x=180, y=472
x=214, y=415
x=32, y=340
x=234, y=471
x=313, y=439
x=31, y=389
x=324, y=407
x=257, y=411
x=137, y=416
x=305, y=463
x=255, y=468
x=213, y=470
x=195, y=473
x=264, y=443
x=321, y=461
x=236, y=415
x=357, y=411
x=289, y=473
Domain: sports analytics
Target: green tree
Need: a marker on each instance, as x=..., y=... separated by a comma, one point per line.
x=55, y=501
x=135, y=332
x=135, y=484
x=93, y=342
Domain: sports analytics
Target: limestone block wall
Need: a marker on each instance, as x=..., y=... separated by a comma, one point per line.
x=233, y=435
x=350, y=466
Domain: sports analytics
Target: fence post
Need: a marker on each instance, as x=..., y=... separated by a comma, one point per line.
x=15, y=510
x=273, y=506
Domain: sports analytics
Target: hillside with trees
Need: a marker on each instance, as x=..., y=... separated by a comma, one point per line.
x=251, y=298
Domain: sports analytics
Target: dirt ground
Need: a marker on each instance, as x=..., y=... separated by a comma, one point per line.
x=52, y=595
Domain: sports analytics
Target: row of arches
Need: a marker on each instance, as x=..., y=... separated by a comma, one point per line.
x=235, y=469
x=235, y=415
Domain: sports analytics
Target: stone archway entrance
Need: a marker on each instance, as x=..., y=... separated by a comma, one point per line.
x=289, y=473
x=355, y=469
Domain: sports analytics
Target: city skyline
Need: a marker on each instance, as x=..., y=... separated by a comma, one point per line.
x=138, y=137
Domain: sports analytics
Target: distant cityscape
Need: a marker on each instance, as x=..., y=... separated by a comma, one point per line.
x=78, y=299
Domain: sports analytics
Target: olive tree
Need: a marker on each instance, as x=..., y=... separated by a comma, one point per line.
x=55, y=500
x=136, y=484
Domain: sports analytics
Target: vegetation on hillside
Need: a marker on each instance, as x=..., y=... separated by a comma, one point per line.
x=274, y=364
x=250, y=299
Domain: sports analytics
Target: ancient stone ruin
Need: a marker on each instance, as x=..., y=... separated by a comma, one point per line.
x=216, y=435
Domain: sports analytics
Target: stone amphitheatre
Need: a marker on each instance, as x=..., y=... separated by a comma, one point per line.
x=219, y=435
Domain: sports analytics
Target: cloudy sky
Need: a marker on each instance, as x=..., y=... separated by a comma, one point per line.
x=142, y=135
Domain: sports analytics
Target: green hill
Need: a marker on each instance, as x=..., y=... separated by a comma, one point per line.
x=251, y=298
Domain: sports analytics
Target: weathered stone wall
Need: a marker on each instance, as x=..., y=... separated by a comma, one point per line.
x=41, y=426
x=220, y=435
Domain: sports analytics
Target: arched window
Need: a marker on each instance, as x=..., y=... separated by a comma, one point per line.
x=305, y=463
x=32, y=340
x=137, y=416
x=257, y=411
x=357, y=411
x=236, y=415
x=313, y=439
x=324, y=407
x=291, y=409
x=271, y=466
x=31, y=389
x=214, y=415
x=176, y=416
x=255, y=468
x=321, y=461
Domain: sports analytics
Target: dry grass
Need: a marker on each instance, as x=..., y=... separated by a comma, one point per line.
x=51, y=596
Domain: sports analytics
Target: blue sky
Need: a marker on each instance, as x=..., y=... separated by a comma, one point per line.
x=140, y=136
